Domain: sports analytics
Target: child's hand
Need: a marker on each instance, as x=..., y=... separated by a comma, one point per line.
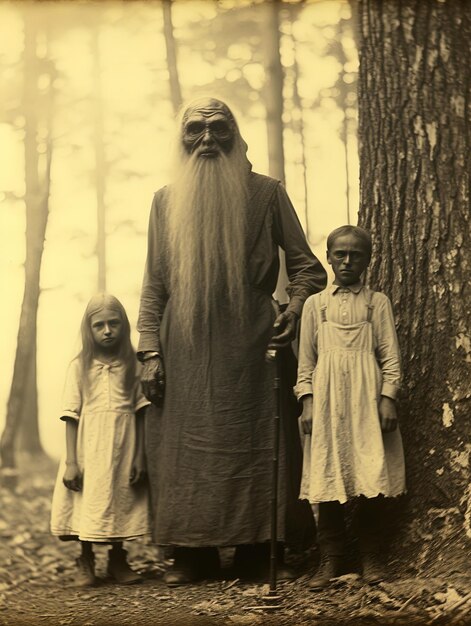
x=73, y=477
x=306, y=416
x=387, y=414
x=138, y=470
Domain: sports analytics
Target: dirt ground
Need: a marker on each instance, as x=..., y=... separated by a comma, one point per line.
x=36, y=574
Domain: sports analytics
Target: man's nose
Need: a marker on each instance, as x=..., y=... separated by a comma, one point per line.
x=207, y=137
x=346, y=259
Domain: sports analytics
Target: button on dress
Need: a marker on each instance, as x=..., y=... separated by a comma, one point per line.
x=108, y=507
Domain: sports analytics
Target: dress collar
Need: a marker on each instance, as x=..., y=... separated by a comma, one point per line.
x=356, y=288
x=114, y=363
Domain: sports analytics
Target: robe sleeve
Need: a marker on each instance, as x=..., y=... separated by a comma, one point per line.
x=387, y=346
x=154, y=295
x=72, y=395
x=305, y=272
x=307, y=355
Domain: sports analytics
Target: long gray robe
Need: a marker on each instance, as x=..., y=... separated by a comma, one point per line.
x=209, y=448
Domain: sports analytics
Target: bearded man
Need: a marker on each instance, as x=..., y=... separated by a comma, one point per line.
x=206, y=320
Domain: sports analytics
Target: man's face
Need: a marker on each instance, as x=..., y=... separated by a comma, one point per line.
x=208, y=132
x=349, y=258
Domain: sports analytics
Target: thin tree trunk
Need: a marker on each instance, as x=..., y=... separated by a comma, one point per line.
x=300, y=128
x=175, y=90
x=274, y=111
x=100, y=161
x=36, y=200
x=415, y=165
x=274, y=92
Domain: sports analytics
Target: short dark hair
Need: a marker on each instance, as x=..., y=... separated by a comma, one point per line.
x=348, y=229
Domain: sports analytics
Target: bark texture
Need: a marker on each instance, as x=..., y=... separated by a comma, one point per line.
x=415, y=164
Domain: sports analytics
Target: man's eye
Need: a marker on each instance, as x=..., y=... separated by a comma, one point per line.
x=194, y=129
x=220, y=128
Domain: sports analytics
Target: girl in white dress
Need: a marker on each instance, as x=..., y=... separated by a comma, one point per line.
x=101, y=494
x=348, y=379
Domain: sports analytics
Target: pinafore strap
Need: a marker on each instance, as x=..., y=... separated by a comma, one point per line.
x=369, y=304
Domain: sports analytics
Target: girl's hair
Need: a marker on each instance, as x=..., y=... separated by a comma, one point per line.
x=126, y=352
x=357, y=231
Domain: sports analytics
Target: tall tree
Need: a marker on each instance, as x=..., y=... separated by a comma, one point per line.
x=273, y=100
x=100, y=157
x=22, y=401
x=415, y=166
x=273, y=95
x=171, y=48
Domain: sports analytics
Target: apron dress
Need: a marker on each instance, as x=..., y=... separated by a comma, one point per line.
x=347, y=454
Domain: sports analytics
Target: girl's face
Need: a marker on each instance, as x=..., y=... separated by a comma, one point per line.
x=349, y=258
x=107, y=330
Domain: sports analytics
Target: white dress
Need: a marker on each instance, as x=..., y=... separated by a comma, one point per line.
x=108, y=508
x=348, y=358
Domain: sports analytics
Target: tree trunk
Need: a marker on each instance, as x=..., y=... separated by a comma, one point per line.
x=274, y=92
x=274, y=110
x=36, y=200
x=100, y=160
x=175, y=90
x=28, y=436
x=415, y=164
x=299, y=127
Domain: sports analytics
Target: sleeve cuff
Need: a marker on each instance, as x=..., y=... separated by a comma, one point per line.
x=69, y=414
x=148, y=342
x=389, y=390
x=303, y=389
x=295, y=305
x=141, y=404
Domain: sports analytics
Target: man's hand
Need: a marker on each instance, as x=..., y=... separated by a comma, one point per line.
x=305, y=420
x=284, y=330
x=387, y=414
x=72, y=477
x=138, y=469
x=153, y=380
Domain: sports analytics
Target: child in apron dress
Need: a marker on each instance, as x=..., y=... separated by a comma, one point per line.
x=348, y=379
x=100, y=496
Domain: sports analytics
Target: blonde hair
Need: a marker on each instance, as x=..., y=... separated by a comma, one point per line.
x=126, y=352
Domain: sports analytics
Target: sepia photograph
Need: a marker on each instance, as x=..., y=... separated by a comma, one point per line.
x=235, y=268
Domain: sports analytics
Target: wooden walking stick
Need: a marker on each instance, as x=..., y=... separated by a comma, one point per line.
x=273, y=599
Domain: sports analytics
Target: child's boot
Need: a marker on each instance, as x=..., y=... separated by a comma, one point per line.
x=119, y=569
x=330, y=567
x=331, y=537
x=371, y=522
x=85, y=576
x=373, y=568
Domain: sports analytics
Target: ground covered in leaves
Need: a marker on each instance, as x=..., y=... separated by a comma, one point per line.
x=36, y=576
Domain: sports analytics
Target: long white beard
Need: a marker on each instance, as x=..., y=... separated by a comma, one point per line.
x=206, y=223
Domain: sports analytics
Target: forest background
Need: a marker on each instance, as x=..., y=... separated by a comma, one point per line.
x=87, y=121
x=363, y=109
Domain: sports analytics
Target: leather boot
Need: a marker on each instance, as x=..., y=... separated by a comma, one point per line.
x=330, y=567
x=192, y=565
x=119, y=569
x=85, y=576
x=373, y=568
x=252, y=562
